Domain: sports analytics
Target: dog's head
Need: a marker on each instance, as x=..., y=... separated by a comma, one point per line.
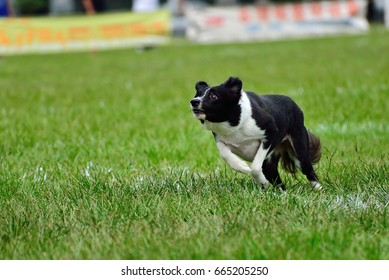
x=215, y=104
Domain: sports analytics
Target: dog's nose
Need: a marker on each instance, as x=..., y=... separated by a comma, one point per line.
x=195, y=102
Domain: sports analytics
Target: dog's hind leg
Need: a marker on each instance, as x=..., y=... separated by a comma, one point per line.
x=300, y=142
x=270, y=170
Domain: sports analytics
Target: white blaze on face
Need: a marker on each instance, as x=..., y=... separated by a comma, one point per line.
x=198, y=110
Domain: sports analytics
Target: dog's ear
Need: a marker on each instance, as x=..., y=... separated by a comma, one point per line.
x=201, y=85
x=234, y=84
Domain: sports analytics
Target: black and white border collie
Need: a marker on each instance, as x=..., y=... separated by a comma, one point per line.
x=257, y=129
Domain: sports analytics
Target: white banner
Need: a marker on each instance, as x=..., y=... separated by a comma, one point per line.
x=264, y=22
x=188, y=270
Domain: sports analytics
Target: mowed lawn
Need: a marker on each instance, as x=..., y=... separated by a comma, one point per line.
x=101, y=158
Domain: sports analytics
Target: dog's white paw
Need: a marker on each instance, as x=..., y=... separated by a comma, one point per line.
x=260, y=179
x=240, y=167
x=316, y=186
x=244, y=168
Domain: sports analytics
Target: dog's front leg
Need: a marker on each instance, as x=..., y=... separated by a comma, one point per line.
x=232, y=160
x=256, y=166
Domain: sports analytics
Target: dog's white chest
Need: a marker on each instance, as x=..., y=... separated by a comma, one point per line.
x=243, y=139
x=246, y=150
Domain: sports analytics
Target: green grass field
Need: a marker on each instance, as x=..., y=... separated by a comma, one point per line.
x=101, y=158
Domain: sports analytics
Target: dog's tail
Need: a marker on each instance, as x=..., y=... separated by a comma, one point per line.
x=289, y=159
x=314, y=147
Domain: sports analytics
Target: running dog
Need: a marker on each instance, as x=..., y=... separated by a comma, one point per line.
x=260, y=129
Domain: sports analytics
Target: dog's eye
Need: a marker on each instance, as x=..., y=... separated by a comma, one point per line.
x=213, y=96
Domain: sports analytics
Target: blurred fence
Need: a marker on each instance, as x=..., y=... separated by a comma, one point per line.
x=264, y=22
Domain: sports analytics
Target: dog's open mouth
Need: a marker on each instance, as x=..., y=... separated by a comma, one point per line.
x=199, y=114
x=198, y=111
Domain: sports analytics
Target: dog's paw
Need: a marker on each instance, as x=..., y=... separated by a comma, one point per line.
x=260, y=179
x=241, y=167
x=316, y=186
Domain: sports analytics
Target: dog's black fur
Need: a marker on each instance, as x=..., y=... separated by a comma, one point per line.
x=259, y=129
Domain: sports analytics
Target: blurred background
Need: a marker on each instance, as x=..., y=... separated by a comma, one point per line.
x=86, y=24
x=375, y=8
